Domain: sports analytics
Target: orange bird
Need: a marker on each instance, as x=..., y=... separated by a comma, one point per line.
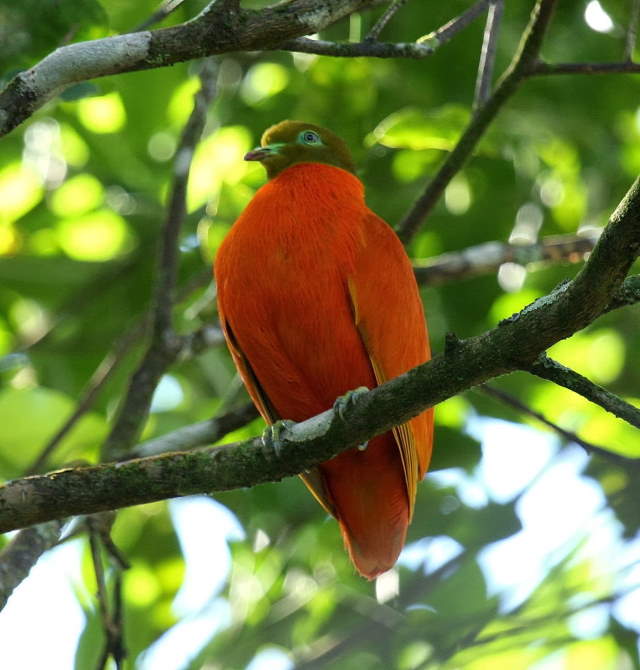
x=316, y=297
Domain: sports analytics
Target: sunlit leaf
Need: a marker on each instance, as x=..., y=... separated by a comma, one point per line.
x=20, y=191
x=414, y=129
x=102, y=114
x=77, y=195
x=98, y=236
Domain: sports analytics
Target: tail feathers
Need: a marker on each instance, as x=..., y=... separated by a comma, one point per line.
x=372, y=558
x=370, y=499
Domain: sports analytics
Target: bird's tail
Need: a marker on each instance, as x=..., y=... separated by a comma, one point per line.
x=368, y=492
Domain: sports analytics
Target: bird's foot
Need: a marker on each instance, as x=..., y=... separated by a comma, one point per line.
x=272, y=435
x=344, y=401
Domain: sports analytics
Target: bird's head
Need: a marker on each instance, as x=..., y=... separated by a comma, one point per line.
x=291, y=142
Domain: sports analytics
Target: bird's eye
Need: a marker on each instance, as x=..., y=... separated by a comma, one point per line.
x=310, y=137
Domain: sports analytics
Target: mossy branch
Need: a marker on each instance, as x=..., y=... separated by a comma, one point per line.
x=513, y=344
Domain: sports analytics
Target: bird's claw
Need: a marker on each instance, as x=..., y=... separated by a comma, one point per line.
x=341, y=405
x=344, y=401
x=273, y=433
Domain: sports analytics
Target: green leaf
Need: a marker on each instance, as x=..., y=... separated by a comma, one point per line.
x=411, y=128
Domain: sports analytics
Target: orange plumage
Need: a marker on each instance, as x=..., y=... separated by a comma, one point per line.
x=316, y=297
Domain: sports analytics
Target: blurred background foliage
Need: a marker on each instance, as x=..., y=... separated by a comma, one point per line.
x=523, y=552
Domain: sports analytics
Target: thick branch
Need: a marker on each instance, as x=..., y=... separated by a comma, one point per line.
x=627, y=294
x=519, y=69
x=514, y=344
x=221, y=27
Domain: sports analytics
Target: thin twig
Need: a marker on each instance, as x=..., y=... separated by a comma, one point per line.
x=197, y=434
x=102, y=374
x=519, y=69
x=166, y=8
x=21, y=554
x=358, y=49
x=101, y=596
x=449, y=29
x=547, y=368
x=164, y=345
x=190, y=345
x=111, y=621
x=388, y=14
x=488, y=257
x=423, y=47
x=542, y=68
x=632, y=31
x=488, y=53
x=589, y=447
x=207, y=336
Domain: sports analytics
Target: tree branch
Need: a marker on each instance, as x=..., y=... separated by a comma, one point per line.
x=542, y=68
x=21, y=554
x=488, y=53
x=488, y=257
x=359, y=49
x=513, y=344
x=547, y=368
x=165, y=345
x=101, y=375
x=111, y=617
x=632, y=30
x=519, y=69
x=446, y=32
x=370, y=48
x=221, y=27
x=166, y=8
x=388, y=14
x=589, y=447
x=627, y=294
x=197, y=434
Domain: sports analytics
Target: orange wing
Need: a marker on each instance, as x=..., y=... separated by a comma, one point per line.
x=313, y=478
x=397, y=340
